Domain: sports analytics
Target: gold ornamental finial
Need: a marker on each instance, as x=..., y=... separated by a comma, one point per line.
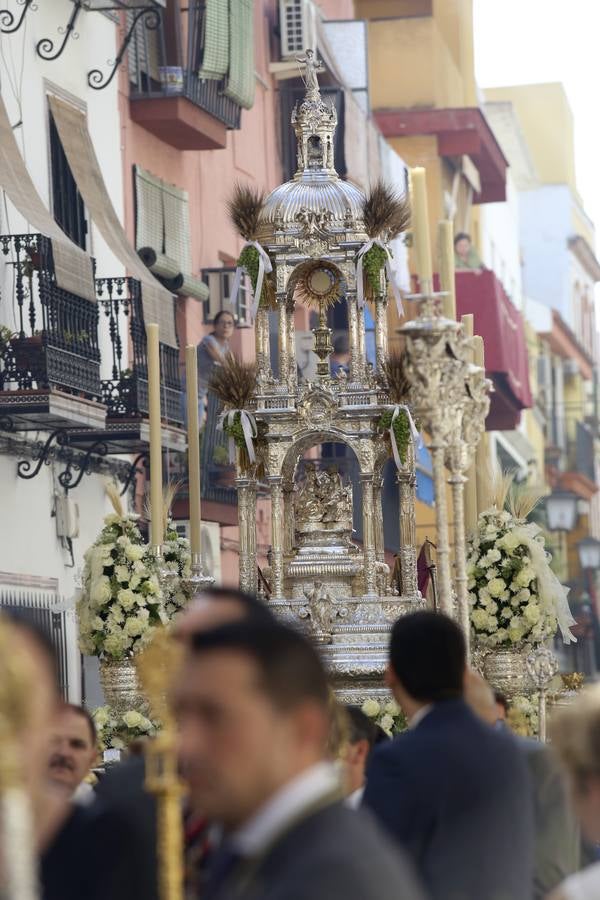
x=156, y=666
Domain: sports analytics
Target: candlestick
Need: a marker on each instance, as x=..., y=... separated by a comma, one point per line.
x=420, y=217
x=191, y=375
x=156, y=498
x=482, y=456
x=446, y=255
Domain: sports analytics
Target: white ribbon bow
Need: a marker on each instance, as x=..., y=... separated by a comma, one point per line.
x=360, y=288
x=248, y=423
x=264, y=267
x=413, y=431
x=550, y=589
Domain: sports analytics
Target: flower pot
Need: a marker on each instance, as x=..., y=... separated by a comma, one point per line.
x=171, y=79
x=120, y=686
x=506, y=671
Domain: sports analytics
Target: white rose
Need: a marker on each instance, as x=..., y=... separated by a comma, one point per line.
x=496, y=586
x=387, y=723
x=122, y=574
x=117, y=744
x=508, y=542
x=479, y=618
x=135, y=552
x=116, y=615
x=491, y=557
x=126, y=598
x=523, y=595
x=101, y=716
x=133, y=719
x=532, y=613
x=371, y=708
x=101, y=591
x=525, y=576
x=392, y=708
x=134, y=626
x=97, y=623
x=115, y=645
x=134, y=581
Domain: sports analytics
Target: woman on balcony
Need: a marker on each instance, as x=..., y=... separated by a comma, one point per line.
x=212, y=350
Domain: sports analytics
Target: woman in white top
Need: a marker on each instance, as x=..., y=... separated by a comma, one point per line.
x=576, y=737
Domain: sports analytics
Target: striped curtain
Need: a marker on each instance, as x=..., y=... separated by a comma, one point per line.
x=240, y=83
x=215, y=40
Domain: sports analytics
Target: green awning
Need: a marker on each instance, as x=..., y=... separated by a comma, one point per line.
x=241, y=82
x=215, y=40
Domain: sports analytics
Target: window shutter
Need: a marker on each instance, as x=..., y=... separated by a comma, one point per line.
x=241, y=82
x=214, y=27
x=149, y=218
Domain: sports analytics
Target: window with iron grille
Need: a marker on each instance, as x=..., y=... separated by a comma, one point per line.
x=67, y=203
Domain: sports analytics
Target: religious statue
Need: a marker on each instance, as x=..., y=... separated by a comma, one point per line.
x=322, y=501
x=321, y=610
x=313, y=65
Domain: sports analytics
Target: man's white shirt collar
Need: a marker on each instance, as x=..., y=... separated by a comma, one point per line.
x=420, y=715
x=354, y=799
x=284, y=806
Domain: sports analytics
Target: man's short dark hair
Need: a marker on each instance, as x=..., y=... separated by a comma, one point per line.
x=253, y=607
x=290, y=668
x=362, y=728
x=428, y=656
x=461, y=236
x=84, y=714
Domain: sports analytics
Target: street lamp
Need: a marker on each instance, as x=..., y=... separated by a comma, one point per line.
x=561, y=510
x=589, y=553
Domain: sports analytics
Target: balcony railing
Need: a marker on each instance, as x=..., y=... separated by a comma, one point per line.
x=156, y=71
x=55, y=341
x=125, y=392
x=218, y=475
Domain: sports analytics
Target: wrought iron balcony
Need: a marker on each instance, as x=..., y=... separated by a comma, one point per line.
x=125, y=392
x=218, y=475
x=167, y=97
x=53, y=349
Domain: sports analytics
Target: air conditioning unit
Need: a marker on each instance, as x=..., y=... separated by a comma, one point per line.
x=211, y=546
x=298, y=27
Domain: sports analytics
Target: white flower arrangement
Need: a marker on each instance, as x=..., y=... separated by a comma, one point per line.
x=121, y=601
x=387, y=715
x=177, y=558
x=515, y=598
x=116, y=731
x=523, y=716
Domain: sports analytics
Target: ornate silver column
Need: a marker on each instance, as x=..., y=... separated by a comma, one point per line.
x=381, y=341
x=263, y=342
x=362, y=353
x=246, y=489
x=366, y=481
x=276, y=537
x=283, y=340
x=288, y=515
x=408, y=528
x=353, y=334
x=471, y=412
x=436, y=377
x=292, y=373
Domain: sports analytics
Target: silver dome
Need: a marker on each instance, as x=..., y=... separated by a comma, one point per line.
x=342, y=199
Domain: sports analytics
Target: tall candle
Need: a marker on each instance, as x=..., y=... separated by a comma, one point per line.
x=470, y=500
x=482, y=457
x=447, y=280
x=191, y=377
x=156, y=486
x=420, y=228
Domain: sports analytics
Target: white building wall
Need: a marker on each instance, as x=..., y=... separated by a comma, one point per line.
x=500, y=241
x=28, y=541
x=545, y=216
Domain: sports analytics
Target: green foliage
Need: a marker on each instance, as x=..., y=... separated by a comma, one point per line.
x=373, y=262
x=234, y=430
x=401, y=427
x=249, y=259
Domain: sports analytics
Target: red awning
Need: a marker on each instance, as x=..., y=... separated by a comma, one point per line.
x=501, y=326
x=458, y=131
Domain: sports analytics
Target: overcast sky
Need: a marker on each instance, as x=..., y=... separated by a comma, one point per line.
x=528, y=41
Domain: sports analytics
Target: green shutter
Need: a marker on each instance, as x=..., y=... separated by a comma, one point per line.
x=241, y=81
x=215, y=40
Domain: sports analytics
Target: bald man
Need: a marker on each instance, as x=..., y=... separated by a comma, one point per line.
x=219, y=606
x=557, y=840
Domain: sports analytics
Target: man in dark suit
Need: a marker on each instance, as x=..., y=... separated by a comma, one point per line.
x=557, y=835
x=252, y=707
x=453, y=792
